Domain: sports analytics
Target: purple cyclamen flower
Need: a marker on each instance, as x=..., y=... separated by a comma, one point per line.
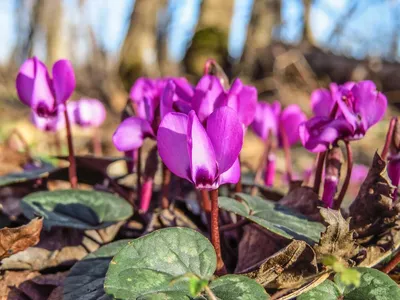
x=50, y=124
x=393, y=169
x=87, y=112
x=44, y=94
x=359, y=108
x=176, y=97
x=270, y=118
x=210, y=94
x=207, y=157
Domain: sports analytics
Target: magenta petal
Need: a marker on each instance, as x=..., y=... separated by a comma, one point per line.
x=89, y=113
x=330, y=188
x=33, y=87
x=369, y=103
x=265, y=120
x=203, y=163
x=318, y=133
x=172, y=142
x=232, y=175
x=322, y=102
x=206, y=93
x=167, y=99
x=248, y=99
x=393, y=169
x=143, y=87
x=52, y=124
x=184, y=90
x=63, y=80
x=131, y=133
x=290, y=120
x=226, y=134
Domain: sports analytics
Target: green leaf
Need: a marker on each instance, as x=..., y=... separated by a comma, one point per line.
x=274, y=217
x=326, y=291
x=41, y=171
x=196, y=285
x=237, y=287
x=147, y=265
x=374, y=285
x=350, y=277
x=76, y=208
x=86, y=278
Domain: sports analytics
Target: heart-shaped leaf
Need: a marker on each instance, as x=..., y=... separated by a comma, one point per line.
x=41, y=170
x=373, y=285
x=274, y=217
x=86, y=278
x=76, y=208
x=150, y=267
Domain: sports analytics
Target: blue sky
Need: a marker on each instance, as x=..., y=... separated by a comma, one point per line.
x=109, y=20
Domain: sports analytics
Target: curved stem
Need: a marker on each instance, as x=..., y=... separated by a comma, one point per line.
x=346, y=182
x=318, y=171
x=165, y=186
x=210, y=293
x=389, y=138
x=215, y=239
x=73, y=179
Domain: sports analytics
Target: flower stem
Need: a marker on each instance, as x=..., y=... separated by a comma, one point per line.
x=389, y=138
x=318, y=171
x=288, y=156
x=73, y=179
x=205, y=201
x=210, y=293
x=392, y=264
x=215, y=240
x=346, y=182
x=165, y=186
x=210, y=63
x=96, y=142
x=139, y=174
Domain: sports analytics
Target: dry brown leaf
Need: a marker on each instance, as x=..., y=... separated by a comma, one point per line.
x=171, y=217
x=11, y=279
x=257, y=244
x=14, y=240
x=304, y=200
x=374, y=200
x=287, y=268
x=337, y=240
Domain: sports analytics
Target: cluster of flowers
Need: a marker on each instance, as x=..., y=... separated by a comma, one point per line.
x=48, y=96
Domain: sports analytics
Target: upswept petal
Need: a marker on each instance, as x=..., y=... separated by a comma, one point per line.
x=232, y=175
x=203, y=163
x=265, y=120
x=248, y=99
x=369, y=103
x=318, y=133
x=33, y=87
x=205, y=95
x=131, y=133
x=184, y=90
x=226, y=134
x=290, y=120
x=172, y=143
x=63, y=80
x=143, y=87
x=322, y=102
x=167, y=99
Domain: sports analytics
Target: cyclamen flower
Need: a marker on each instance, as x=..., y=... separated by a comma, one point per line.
x=145, y=94
x=87, y=112
x=209, y=95
x=50, y=124
x=360, y=106
x=43, y=94
x=207, y=157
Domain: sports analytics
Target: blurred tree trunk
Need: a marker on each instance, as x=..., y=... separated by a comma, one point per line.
x=266, y=15
x=138, y=55
x=308, y=37
x=211, y=37
x=52, y=26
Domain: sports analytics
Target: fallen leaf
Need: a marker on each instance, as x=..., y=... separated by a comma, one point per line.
x=287, y=268
x=257, y=244
x=170, y=217
x=14, y=240
x=11, y=279
x=304, y=200
x=338, y=239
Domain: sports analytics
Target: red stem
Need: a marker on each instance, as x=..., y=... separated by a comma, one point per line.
x=392, y=264
x=73, y=179
x=389, y=138
x=288, y=156
x=346, y=182
x=205, y=201
x=215, y=239
x=96, y=141
x=139, y=174
x=165, y=186
x=318, y=171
